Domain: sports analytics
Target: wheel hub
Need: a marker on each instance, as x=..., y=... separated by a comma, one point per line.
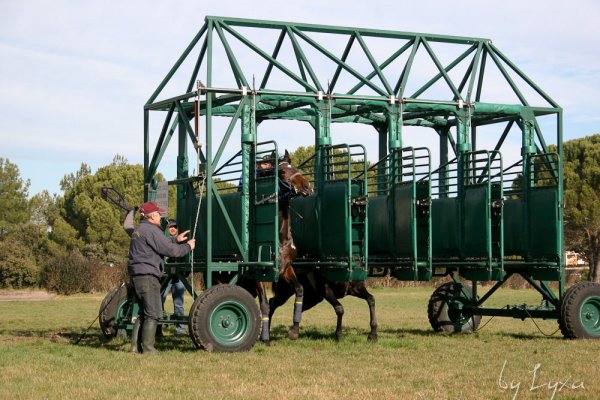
x=590, y=315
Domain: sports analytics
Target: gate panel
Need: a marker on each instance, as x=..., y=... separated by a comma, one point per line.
x=476, y=221
x=404, y=214
x=543, y=226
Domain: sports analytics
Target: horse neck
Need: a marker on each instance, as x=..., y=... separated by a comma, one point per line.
x=285, y=223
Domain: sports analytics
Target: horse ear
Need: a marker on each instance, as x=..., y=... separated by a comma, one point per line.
x=286, y=157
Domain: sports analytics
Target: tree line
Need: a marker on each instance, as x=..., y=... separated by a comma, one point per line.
x=74, y=242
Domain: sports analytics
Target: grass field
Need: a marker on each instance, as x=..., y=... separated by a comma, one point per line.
x=507, y=359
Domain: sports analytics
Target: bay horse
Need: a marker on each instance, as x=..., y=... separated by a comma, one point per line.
x=312, y=287
x=317, y=288
x=291, y=183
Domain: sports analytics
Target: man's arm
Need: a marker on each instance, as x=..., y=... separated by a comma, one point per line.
x=166, y=247
x=128, y=224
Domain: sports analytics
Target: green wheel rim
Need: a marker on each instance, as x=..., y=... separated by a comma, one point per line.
x=590, y=315
x=456, y=315
x=124, y=312
x=229, y=323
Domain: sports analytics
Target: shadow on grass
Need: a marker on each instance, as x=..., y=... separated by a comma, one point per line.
x=95, y=339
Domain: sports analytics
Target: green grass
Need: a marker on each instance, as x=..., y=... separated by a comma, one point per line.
x=39, y=360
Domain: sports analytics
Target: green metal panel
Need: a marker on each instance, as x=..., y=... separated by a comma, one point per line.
x=223, y=242
x=305, y=227
x=445, y=228
x=514, y=215
x=423, y=217
x=543, y=216
x=476, y=221
x=404, y=215
x=380, y=234
x=335, y=224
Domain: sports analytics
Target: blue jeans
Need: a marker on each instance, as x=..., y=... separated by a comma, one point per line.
x=177, y=290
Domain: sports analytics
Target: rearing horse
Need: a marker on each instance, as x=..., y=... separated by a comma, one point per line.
x=291, y=183
x=297, y=185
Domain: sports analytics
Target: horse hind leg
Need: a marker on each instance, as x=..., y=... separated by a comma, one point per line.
x=360, y=291
x=339, y=311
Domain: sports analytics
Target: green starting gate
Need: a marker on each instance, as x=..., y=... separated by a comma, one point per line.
x=453, y=209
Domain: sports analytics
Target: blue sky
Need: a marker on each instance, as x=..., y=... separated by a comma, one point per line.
x=74, y=75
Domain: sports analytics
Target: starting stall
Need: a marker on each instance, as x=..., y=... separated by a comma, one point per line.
x=481, y=201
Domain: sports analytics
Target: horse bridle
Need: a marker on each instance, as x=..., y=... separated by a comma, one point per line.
x=289, y=189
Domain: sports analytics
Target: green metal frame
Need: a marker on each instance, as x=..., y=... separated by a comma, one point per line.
x=377, y=99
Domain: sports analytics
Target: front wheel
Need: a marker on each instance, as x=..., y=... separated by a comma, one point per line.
x=225, y=318
x=580, y=311
x=445, y=309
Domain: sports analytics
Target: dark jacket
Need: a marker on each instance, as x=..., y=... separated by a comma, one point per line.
x=148, y=247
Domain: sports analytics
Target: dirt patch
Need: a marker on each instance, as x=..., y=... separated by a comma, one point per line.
x=26, y=295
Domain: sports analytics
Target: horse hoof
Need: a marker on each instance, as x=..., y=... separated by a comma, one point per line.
x=372, y=338
x=293, y=335
x=266, y=342
x=339, y=338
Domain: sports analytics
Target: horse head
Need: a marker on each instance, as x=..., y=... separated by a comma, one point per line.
x=292, y=177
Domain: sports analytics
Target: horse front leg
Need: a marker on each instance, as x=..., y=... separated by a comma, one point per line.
x=264, y=313
x=290, y=276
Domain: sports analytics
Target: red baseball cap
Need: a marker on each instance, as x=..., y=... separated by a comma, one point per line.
x=150, y=207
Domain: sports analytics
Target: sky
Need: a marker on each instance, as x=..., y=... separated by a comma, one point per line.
x=74, y=76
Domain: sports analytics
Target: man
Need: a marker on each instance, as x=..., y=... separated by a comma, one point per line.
x=175, y=286
x=148, y=247
x=264, y=167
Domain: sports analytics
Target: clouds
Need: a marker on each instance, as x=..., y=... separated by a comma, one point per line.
x=75, y=75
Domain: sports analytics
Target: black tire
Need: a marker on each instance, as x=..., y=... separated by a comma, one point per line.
x=580, y=311
x=109, y=309
x=443, y=317
x=226, y=318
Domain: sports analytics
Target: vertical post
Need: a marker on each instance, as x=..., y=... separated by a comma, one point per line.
x=443, y=174
x=208, y=156
x=394, y=128
x=322, y=140
x=527, y=149
x=146, y=152
x=182, y=168
x=248, y=140
x=463, y=146
x=561, y=204
x=383, y=151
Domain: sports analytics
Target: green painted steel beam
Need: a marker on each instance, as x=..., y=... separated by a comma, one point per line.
x=374, y=64
x=442, y=70
x=267, y=57
x=338, y=61
x=302, y=61
x=274, y=57
x=237, y=71
x=446, y=70
x=345, y=30
x=178, y=63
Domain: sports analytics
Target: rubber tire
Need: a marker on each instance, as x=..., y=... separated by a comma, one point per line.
x=109, y=307
x=211, y=300
x=438, y=310
x=569, y=319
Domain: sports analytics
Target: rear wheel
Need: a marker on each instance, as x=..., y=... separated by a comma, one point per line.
x=580, y=311
x=446, y=309
x=115, y=307
x=225, y=318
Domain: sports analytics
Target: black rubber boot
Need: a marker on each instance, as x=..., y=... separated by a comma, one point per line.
x=148, y=336
x=135, y=336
